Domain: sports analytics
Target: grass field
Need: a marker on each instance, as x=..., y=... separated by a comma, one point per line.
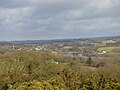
x=108, y=49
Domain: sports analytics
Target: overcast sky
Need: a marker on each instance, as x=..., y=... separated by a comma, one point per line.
x=53, y=19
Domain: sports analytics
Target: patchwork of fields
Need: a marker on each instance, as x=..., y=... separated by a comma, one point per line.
x=107, y=49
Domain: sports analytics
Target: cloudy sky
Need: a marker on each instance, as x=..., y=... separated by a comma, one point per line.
x=53, y=19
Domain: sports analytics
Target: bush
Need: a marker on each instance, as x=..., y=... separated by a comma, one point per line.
x=35, y=85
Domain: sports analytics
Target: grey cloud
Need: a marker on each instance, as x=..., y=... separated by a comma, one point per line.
x=41, y=19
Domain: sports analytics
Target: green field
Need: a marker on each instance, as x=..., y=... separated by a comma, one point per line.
x=108, y=49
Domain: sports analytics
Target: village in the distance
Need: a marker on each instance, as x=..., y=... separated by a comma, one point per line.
x=94, y=47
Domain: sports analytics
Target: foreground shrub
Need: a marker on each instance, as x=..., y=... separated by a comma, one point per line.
x=100, y=82
x=53, y=84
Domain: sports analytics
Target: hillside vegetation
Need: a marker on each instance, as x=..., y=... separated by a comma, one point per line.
x=36, y=70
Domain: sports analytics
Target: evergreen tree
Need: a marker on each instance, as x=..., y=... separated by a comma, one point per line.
x=89, y=61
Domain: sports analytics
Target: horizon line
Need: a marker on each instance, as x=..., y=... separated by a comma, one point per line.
x=58, y=39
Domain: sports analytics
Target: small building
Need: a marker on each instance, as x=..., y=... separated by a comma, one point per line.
x=103, y=52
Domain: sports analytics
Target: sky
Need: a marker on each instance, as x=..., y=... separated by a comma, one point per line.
x=58, y=19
